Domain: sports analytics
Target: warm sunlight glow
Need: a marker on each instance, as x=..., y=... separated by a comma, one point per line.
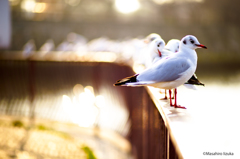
x=39, y=7
x=28, y=5
x=82, y=110
x=137, y=68
x=104, y=57
x=100, y=101
x=89, y=89
x=86, y=109
x=127, y=6
x=77, y=89
x=33, y=6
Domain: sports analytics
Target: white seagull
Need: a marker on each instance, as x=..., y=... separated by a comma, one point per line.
x=154, y=52
x=173, y=45
x=151, y=37
x=171, y=72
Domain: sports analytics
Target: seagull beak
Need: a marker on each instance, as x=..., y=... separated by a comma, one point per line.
x=159, y=53
x=200, y=45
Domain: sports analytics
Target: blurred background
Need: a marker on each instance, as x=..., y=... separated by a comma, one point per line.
x=214, y=22
x=34, y=34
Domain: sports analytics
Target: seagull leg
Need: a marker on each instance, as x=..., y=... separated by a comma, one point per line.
x=173, y=96
x=175, y=104
x=170, y=97
x=165, y=95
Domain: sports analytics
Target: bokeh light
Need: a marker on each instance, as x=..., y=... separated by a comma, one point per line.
x=127, y=6
x=33, y=6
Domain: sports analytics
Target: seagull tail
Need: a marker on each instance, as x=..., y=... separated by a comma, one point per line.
x=194, y=81
x=127, y=80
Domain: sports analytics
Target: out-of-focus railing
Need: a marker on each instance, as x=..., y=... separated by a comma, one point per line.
x=45, y=88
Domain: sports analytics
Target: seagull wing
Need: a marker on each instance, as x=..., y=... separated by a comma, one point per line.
x=169, y=69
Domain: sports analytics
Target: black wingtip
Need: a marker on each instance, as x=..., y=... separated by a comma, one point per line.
x=117, y=84
x=126, y=80
x=193, y=80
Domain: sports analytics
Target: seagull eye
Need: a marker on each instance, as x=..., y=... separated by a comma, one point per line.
x=184, y=41
x=191, y=41
x=153, y=38
x=159, y=44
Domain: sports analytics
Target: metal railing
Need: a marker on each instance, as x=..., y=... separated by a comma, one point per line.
x=26, y=86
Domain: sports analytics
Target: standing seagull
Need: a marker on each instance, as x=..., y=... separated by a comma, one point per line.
x=170, y=72
x=173, y=46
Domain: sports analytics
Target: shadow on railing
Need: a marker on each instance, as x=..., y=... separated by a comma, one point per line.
x=44, y=90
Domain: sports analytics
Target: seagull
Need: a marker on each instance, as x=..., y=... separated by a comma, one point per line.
x=155, y=52
x=47, y=47
x=158, y=53
x=173, y=45
x=29, y=48
x=140, y=56
x=151, y=37
x=171, y=72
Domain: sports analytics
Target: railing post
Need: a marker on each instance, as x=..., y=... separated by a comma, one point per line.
x=31, y=78
x=154, y=130
x=172, y=152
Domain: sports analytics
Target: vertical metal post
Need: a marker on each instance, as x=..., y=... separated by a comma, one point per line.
x=154, y=136
x=31, y=89
x=172, y=151
x=145, y=125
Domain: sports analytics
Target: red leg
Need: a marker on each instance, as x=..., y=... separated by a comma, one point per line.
x=170, y=97
x=175, y=104
x=173, y=96
x=165, y=94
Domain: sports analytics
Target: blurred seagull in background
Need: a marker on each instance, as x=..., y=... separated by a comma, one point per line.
x=29, y=48
x=173, y=45
x=140, y=56
x=171, y=72
x=155, y=51
x=47, y=47
x=148, y=39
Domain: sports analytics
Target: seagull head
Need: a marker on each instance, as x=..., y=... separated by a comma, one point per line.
x=191, y=42
x=151, y=37
x=158, y=46
x=173, y=45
